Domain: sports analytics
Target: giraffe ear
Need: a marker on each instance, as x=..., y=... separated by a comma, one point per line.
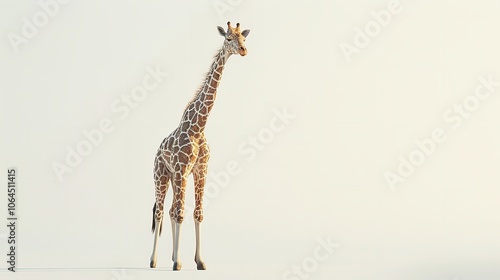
x=222, y=32
x=245, y=32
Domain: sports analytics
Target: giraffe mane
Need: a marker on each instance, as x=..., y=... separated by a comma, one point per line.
x=200, y=87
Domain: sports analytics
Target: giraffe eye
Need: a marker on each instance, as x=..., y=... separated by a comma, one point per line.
x=229, y=39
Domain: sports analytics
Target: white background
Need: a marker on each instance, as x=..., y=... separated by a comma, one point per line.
x=321, y=176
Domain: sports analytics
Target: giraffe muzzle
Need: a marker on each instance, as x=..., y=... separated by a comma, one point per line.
x=242, y=51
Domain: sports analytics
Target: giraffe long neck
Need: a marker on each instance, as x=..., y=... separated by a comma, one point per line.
x=196, y=113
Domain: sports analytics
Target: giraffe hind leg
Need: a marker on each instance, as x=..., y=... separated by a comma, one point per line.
x=157, y=226
x=156, y=229
x=161, y=190
x=153, y=227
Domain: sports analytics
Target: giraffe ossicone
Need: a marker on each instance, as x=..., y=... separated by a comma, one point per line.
x=185, y=151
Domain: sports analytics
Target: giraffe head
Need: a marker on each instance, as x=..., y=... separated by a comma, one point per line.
x=234, y=39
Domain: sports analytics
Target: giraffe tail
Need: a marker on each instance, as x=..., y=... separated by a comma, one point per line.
x=153, y=227
x=154, y=213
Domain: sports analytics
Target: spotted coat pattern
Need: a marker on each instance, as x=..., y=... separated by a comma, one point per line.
x=185, y=151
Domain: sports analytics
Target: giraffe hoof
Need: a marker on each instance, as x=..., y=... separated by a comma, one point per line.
x=177, y=266
x=152, y=264
x=201, y=266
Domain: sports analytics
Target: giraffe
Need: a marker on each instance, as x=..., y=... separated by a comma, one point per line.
x=185, y=151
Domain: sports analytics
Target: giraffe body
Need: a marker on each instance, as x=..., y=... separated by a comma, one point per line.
x=185, y=151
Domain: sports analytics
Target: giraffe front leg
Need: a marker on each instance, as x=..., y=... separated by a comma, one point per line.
x=176, y=229
x=176, y=217
x=200, y=265
x=199, y=182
